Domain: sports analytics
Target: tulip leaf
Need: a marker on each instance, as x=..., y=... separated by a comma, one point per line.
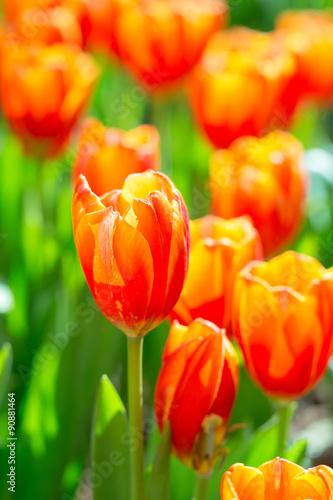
x=109, y=447
x=296, y=452
x=158, y=486
x=6, y=359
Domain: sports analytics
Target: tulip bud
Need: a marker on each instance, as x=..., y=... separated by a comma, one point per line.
x=219, y=250
x=265, y=179
x=277, y=479
x=195, y=391
x=107, y=156
x=283, y=322
x=133, y=246
x=241, y=85
x=68, y=74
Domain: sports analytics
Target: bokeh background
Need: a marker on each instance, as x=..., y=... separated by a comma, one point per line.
x=62, y=344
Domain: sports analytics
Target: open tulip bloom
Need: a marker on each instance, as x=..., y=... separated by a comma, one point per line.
x=277, y=480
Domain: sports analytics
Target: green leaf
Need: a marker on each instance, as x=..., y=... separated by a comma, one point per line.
x=110, y=439
x=6, y=359
x=296, y=452
x=158, y=486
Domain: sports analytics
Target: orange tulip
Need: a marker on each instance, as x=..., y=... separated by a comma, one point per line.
x=219, y=249
x=277, y=480
x=195, y=391
x=26, y=72
x=34, y=16
x=107, y=156
x=46, y=26
x=283, y=321
x=241, y=85
x=309, y=37
x=133, y=248
x=161, y=40
x=264, y=178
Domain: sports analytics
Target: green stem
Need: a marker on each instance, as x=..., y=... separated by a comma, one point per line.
x=134, y=359
x=284, y=413
x=202, y=486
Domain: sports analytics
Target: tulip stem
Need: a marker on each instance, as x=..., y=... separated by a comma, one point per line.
x=134, y=370
x=202, y=486
x=284, y=414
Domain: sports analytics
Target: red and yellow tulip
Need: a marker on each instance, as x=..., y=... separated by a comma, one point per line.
x=264, y=178
x=133, y=246
x=241, y=85
x=308, y=36
x=106, y=156
x=161, y=40
x=195, y=391
x=283, y=322
x=219, y=250
x=68, y=74
x=277, y=480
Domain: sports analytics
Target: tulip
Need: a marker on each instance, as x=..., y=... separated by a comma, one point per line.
x=195, y=391
x=107, y=156
x=219, y=250
x=33, y=17
x=161, y=40
x=264, y=178
x=68, y=74
x=309, y=37
x=241, y=85
x=283, y=321
x=133, y=248
x=277, y=479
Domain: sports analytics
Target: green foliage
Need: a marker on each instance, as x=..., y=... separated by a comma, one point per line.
x=158, y=486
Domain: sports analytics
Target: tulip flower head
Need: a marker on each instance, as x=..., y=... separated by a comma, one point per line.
x=133, y=246
x=219, y=250
x=107, y=156
x=283, y=322
x=309, y=37
x=65, y=73
x=195, y=391
x=161, y=40
x=240, y=86
x=264, y=178
x=277, y=479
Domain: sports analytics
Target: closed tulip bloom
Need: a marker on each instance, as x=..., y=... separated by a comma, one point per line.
x=161, y=40
x=277, y=480
x=266, y=179
x=195, y=391
x=219, y=250
x=240, y=86
x=283, y=322
x=309, y=37
x=106, y=156
x=34, y=19
x=68, y=74
x=133, y=246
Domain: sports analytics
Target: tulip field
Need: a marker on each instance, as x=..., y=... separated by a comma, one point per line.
x=166, y=243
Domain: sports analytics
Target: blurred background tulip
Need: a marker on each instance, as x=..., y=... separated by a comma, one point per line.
x=37, y=19
x=277, y=479
x=196, y=390
x=309, y=37
x=133, y=246
x=27, y=72
x=266, y=179
x=237, y=69
x=106, y=156
x=219, y=250
x=283, y=322
x=161, y=40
